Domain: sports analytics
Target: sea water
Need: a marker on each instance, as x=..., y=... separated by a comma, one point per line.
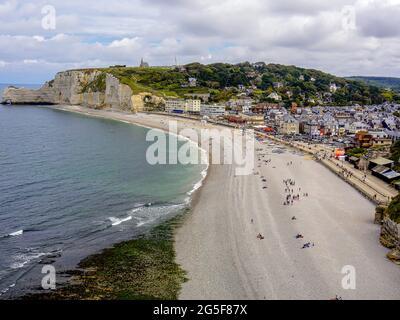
x=71, y=185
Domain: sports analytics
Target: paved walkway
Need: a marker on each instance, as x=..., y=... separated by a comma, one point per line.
x=372, y=187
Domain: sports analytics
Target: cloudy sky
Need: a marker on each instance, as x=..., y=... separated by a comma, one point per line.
x=343, y=37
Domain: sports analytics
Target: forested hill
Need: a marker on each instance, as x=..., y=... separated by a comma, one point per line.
x=384, y=82
x=256, y=80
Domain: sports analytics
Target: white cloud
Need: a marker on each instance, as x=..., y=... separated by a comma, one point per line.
x=309, y=33
x=124, y=43
x=30, y=61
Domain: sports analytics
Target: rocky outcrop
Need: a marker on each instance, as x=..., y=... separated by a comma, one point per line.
x=117, y=94
x=44, y=95
x=89, y=88
x=379, y=214
x=390, y=238
x=145, y=101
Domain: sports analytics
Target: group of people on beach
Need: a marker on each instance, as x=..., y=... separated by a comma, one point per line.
x=290, y=192
x=292, y=196
x=347, y=174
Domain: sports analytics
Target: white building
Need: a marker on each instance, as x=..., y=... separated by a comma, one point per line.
x=378, y=134
x=193, y=106
x=358, y=126
x=175, y=105
x=192, y=82
x=275, y=96
x=333, y=87
x=212, y=110
x=246, y=108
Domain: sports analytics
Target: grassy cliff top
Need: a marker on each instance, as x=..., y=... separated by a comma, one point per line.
x=222, y=81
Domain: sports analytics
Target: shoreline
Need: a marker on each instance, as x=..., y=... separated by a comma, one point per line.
x=216, y=244
x=119, y=116
x=86, y=270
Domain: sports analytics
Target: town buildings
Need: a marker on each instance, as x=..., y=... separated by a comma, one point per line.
x=175, y=105
x=289, y=125
x=212, y=110
x=193, y=106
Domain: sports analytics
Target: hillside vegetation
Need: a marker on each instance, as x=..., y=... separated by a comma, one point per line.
x=394, y=209
x=225, y=81
x=384, y=82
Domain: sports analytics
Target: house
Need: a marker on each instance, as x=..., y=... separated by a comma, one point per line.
x=246, y=108
x=278, y=85
x=394, y=135
x=378, y=134
x=389, y=123
x=357, y=126
x=382, y=168
x=311, y=128
x=381, y=142
x=289, y=125
x=333, y=87
x=192, y=82
x=241, y=105
x=275, y=96
x=388, y=176
x=363, y=140
x=264, y=107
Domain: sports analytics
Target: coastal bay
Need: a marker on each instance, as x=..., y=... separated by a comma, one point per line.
x=216, y=243
x=73, y=185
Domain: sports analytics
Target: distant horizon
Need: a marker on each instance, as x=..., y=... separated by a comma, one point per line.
x=16, y=83
x=41, y=82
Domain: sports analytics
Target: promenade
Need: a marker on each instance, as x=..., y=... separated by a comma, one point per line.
x=373, y=188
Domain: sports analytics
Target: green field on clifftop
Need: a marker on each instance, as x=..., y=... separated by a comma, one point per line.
x=225, y=81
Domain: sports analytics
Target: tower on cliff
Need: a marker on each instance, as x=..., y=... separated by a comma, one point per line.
x=143, y=64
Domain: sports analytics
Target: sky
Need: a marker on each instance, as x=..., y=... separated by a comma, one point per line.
x=343, y=37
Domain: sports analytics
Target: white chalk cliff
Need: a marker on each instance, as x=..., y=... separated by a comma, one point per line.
x=90, y=88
